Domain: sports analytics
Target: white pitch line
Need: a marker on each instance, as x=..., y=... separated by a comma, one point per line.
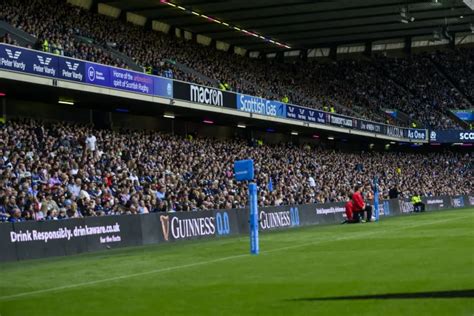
x=125, y=276
x=195, y=264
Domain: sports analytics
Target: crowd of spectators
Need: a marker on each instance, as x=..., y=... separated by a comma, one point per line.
x=362, y=88
x=8, y=39
x=58, y=170
x=52, y=21
x=459, y=66
x=431, y=95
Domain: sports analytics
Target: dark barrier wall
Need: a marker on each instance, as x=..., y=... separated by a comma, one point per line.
x=470, y=200
x=30, y=240
x=7, y=248
x=435, y=203
x=122, y=231
x=151, y=232
x=389, y=208
x=461, y=201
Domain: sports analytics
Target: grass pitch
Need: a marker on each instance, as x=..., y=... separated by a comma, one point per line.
x=411, y=265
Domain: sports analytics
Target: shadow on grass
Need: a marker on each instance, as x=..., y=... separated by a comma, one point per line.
x=469, y=293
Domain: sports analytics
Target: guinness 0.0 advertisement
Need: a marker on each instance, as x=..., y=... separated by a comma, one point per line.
x=31, y=240
x=195, y=225
x=280, y=217
x=203, y=95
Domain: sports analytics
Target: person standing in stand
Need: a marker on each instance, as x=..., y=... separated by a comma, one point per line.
x=369, y=195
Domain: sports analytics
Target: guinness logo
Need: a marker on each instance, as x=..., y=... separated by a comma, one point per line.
x=165, y=226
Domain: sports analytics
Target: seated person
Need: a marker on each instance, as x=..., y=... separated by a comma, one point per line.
x=349, y=211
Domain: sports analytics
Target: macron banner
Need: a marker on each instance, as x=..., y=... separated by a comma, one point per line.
x=204, y=95
x=247, y=103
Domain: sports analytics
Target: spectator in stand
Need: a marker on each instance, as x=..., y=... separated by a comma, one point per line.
x=7, y=39
x=137, y=172
x=53, y=21
x=458, y=65
x=393, y=193
x=356, y=88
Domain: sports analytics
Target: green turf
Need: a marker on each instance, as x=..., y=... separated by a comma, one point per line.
x=409, y=254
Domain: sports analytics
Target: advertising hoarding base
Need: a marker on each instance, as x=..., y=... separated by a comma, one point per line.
x=31, y=240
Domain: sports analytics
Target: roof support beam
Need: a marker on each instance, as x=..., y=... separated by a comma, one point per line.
x=368, y=49
x=452, y=41
x=407, y=48
x=333, y=52
x=304, y=55
x=95, y=6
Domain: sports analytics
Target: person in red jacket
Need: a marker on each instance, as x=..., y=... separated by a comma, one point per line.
x=349, y=211
x=349, y=215
x=360, y=210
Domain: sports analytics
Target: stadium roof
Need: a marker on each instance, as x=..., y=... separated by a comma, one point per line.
x=303, y=23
